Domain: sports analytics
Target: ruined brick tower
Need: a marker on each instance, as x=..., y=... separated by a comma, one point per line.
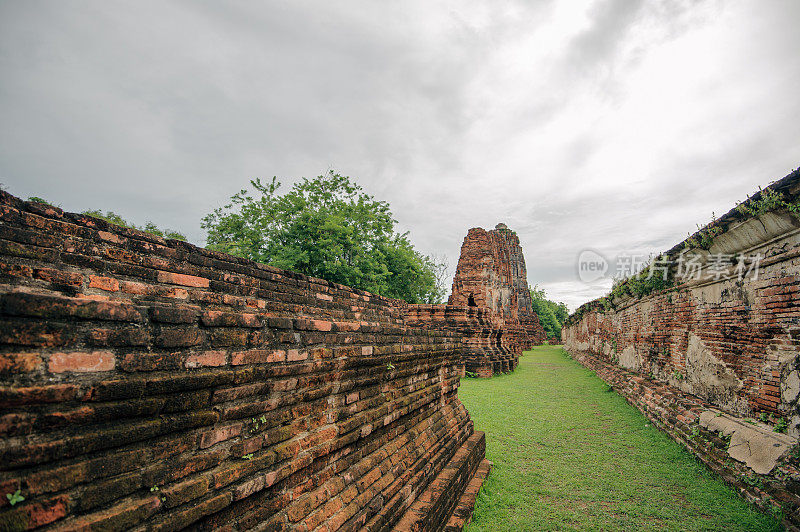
x=491, y=274
x=519, y=278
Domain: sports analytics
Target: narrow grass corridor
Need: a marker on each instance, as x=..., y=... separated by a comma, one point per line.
x=569, y=454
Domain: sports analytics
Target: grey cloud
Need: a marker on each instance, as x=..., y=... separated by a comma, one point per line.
x=460, y=114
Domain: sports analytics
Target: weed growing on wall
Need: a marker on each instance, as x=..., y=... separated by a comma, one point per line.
x=768, y=201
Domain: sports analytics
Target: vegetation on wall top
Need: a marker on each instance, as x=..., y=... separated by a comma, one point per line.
x=116, y=219
x=780, y=196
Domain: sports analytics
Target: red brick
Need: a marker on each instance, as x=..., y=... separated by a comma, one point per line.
x=182, y=279
x=213, y=318
x=214, y=436
x=81, y=362
x=103, y=283
x=207, y=358
x=257, y=356
x=322, y=325
x=38, y=394
x=294, y=355
x=59, y=277
x=111, y=237
x=135, y=288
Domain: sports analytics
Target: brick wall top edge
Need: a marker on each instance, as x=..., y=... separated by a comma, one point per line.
x=98, y=224
x=788, y=185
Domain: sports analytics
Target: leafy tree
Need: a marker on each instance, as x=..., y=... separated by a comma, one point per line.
x=552, y=315
x=326, y=227
x=149, y=227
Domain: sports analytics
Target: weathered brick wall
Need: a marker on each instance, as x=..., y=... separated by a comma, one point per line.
x=721, y=343
x=151, y=384
x=732, y=343
x=698, y=426
x=488, y=347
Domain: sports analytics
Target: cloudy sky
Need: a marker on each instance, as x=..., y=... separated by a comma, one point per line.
x=615, y=125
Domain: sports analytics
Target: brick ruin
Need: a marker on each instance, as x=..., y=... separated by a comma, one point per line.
x=151, y=384
x=519, y=279
x=490, y=305
x=714, y=361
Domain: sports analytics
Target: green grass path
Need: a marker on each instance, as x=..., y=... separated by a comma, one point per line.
x=570, y=455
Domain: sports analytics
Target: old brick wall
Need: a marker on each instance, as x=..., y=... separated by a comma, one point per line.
x=488, y=347
x=722, y=343
x=151, y=384
x=732, y=343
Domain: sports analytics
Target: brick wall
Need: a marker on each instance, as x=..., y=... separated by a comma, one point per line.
x=732, y=343
x=488, y=347
x=717, y=342
x=151, y=384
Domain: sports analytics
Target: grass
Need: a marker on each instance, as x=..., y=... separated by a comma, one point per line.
x=569, y=454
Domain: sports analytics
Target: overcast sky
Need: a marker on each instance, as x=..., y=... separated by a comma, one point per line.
x=615, y=125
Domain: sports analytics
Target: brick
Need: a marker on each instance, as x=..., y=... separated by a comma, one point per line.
x=173, y=314
x=35, y=514
x=122, y=516
x=185, y=491
x=279, y=323
x=213, y=318
x=15, y=396
x=151, y=361
x=183, y=280
x=257, y=356
x=14, y=363
x=40, y=306
x=223, y=337
x=82, y=362
x=179, y=519
x=135, y=288
x=103, y=283
x=179, y=337
x=110, y=237
x=294, y=355
x=248, y=487
x=322, y=325
x=207, y=358
x=118, y=337
x=58, y=277
x=214, y=436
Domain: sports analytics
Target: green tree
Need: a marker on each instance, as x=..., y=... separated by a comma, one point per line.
x=149, y=227
x=552, y=315
x=325, y=227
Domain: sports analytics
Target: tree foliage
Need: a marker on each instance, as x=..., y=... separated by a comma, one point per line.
x=552, y=315
x=325, y=227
